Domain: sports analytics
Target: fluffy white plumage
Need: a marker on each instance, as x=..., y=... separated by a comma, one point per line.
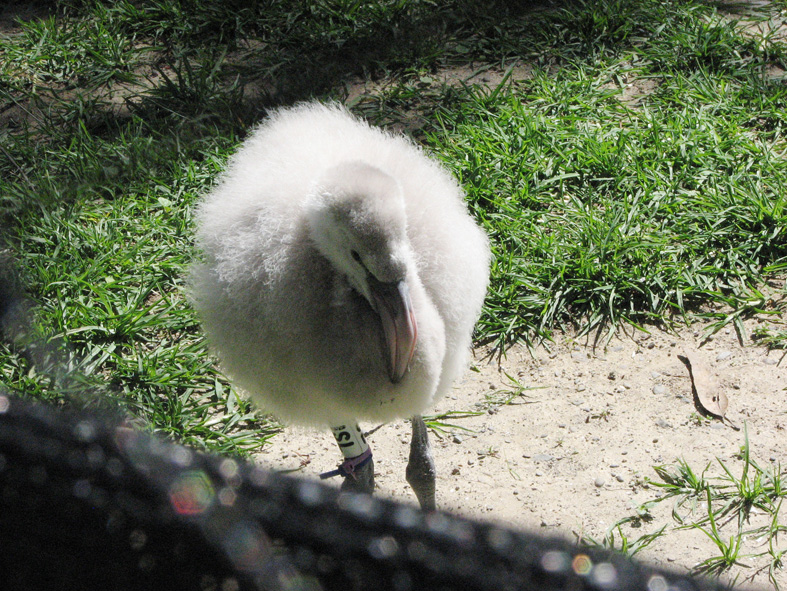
x=316, y=211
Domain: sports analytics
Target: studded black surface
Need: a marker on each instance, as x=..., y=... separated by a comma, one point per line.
x=86, y=503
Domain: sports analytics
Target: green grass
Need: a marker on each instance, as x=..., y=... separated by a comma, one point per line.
x=723, y=505
x=737, y=504
x=605, y=204
x=601, y=212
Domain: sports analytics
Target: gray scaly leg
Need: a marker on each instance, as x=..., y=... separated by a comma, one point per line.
x=420, y=468
x=362, y=480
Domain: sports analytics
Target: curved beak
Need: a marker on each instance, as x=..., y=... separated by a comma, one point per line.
x=392, y=301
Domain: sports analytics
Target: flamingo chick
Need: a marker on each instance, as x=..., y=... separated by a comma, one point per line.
x=341, y=279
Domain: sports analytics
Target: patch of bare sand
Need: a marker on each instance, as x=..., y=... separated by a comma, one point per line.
x=572, y=456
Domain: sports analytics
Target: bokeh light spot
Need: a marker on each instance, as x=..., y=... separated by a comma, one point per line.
x=555, y=561
x=657, y=583
x=247, y=547
x=191, y=493
x=582, y=564
x=605, y=575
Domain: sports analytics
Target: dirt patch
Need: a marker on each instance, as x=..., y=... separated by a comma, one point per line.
x=573, y=454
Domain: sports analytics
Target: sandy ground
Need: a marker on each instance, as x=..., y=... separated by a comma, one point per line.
x=573, y=454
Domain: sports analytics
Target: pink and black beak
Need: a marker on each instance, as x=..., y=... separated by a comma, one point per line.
x=392, y=301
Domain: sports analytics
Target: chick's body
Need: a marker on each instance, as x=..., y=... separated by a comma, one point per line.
x=290, y=325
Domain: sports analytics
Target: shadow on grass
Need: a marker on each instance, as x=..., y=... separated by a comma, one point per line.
x=225, y=63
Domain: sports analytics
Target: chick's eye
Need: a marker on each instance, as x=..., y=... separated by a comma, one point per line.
x=356, y=256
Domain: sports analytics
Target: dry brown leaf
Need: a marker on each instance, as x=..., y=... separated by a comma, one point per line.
x=708, y=395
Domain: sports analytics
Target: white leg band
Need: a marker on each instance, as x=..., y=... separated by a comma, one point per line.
x=350, y=439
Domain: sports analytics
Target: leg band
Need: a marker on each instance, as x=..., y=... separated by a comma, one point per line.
x=350, y=439
x=354, y=448
x=349, y=466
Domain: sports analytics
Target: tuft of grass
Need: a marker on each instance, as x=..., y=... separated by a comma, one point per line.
x=739, y=514
x=491, y=404
x=438, y=425
x=729, y=551
x=85, y=53
x=622, y=543
x=681, y=483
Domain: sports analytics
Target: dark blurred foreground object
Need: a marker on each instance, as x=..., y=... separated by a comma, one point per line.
x=88, y=504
